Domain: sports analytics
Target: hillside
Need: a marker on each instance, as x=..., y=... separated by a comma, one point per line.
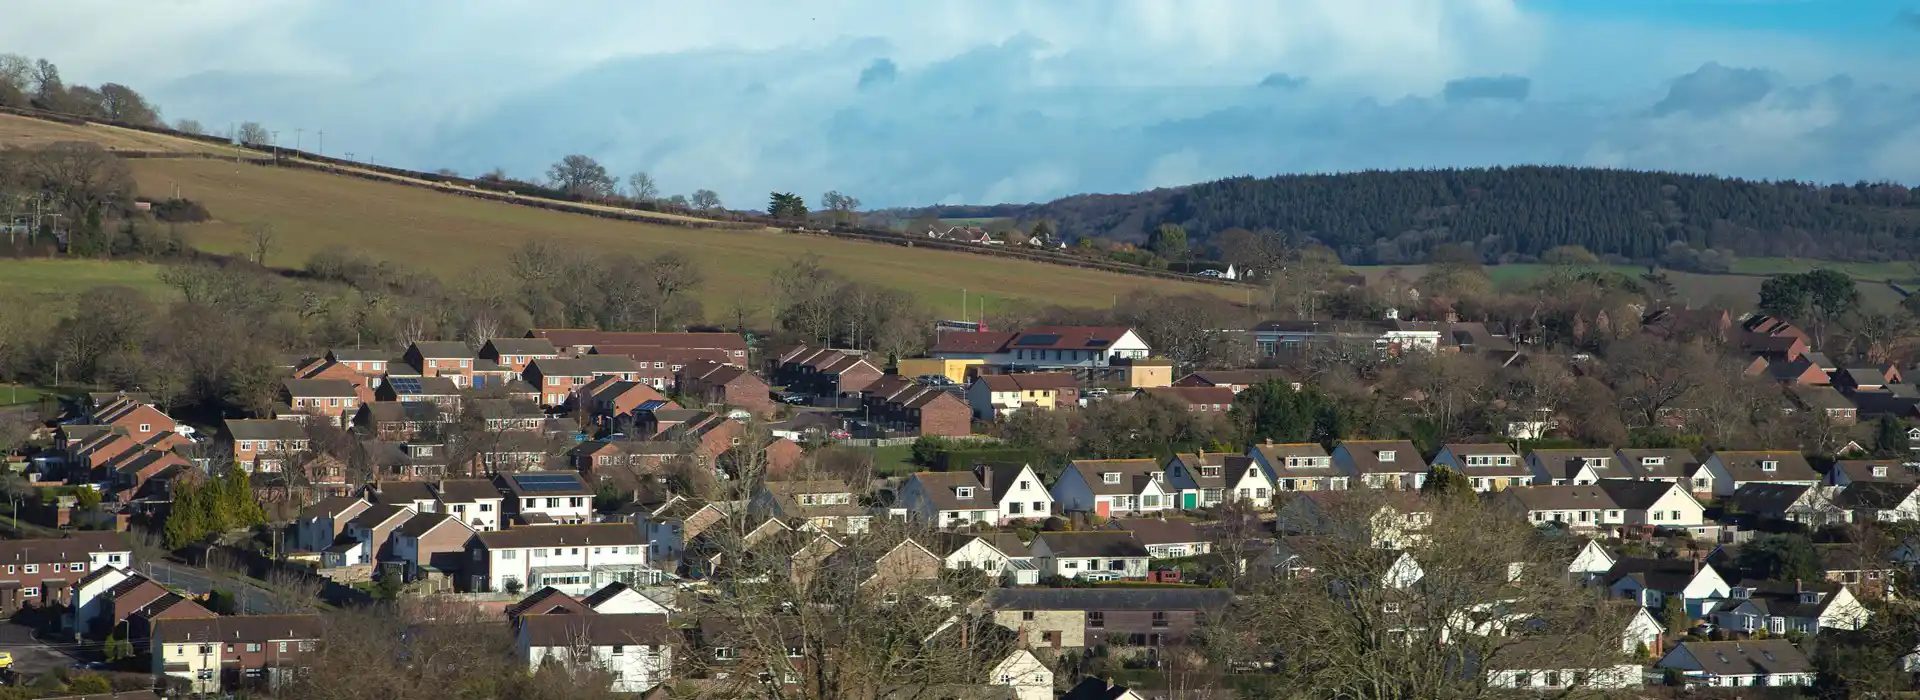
x=451, y=235
x=1392, y=217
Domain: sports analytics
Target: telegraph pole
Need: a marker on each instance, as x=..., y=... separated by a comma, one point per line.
x=296, y=138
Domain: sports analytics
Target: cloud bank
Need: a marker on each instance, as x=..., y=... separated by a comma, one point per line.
x=1004, y=100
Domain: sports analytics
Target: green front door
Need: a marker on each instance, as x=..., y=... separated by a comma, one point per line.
x=1192, y=500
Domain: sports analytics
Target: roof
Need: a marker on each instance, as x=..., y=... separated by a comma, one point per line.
x=425, y=522
x=1276, y=457
x=321, y=388
x=1562, y=497
x=359, y=355
x=265, y=429
x=466, y=490
x=1068, y=337
x=441, y=349
x=787, y=494
x=603, y=534
x=1193, y=395
x=1891, y=470
x=1766, y=498
x=1673, y=462
x=1746, y=465
x=1564, y=464
x=1154, y=531
x=333, y=506
x=965, y=342
x=605, y=594
x=545, y=484
x=380, y=514
x=1747, y=658
x=1864, y=376
x=1880, y=495
x=522, y=346
x=1008, y=543
x=1658, y=574
x=406, y=412
x=1823, y=398
x=546, y=601
x=253, y=628
x=1131, y=470
x=1365, y=456
x=403, y=492
x=1236, y=377
x=1143, y=599
x=583, y=366
x=1030, y=381
x=1637, y=495
x=583, y=336
x=942, y=488
x=1783, y=598
x=74, y=547
x=422, y=386
x=1093, y=544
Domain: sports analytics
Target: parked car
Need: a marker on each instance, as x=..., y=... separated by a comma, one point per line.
x=794, y=400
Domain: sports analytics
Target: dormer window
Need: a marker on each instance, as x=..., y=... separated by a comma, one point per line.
x=146, y=428
x=1595, y=462
x=1386, y=455
x=1652, y=461
x=1209, y=471
x=963, y=492
x=1742, y=593
x=1769, y=465
x=807, y=499
x=1879, y=470
x=1810, y=597
x=1110, y=477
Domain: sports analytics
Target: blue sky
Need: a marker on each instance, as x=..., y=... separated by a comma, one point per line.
x=980, y=101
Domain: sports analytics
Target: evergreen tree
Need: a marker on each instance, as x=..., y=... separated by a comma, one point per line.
x=1442, y=481
x=1889, y=438
x=186, y=522
x=1678, y=623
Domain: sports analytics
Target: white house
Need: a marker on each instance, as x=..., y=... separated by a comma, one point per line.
x=1642, y=630
x=1656, y=464
x=1845, y=472
x=1541, y=663
x=1488, y=467
x=476, y=502
x=558, y=497
x=1748, y=663
x=1883, y=501
x=1298, y=467
x=1580, y=507
x=1000, y=554
x=1022, y=671
x=1655, y=504
x=1591, y=563
x=368, y=536
x=1556, y=467
x=1381, y=464
x=1779, y=607
x=1108, y=487
x=1097, y=556
x=996, y=494
x=1205, y=480
x=636, y=650
x=1165, y=538
x=672, y=524
x=1396, y=521
x=572, y=558
x=318, y=525
x=89, y=601
x=1651, y=581
x=621, y=599
x=1725, y=471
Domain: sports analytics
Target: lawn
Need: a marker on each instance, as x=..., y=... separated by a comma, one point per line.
x=48, y=280
x=457, y=237
x=1861, y=271
x=894, y=460
x=19, y=395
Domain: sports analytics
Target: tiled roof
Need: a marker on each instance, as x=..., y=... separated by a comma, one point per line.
x=1365, y=456
x=1092, y=544
x=265, y=429
x=319, y=388
x=1104, y=599
x=247, y=628
x=443, y=349
x=970, y=343
x=1097, y=338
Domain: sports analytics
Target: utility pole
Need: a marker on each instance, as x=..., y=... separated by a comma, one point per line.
x=323, y=142
x=296, y=138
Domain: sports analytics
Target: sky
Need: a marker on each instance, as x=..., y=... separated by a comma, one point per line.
x=988, y=101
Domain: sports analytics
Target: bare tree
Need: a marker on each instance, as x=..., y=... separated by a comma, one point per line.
x=705, y=200
x=642, y=188
x=83, y=177
x=261, y=234
x=580, y=176
x=190, y=126
x=253, y=134
x=841, y=207
x=1651, y=376
x=16, y=71
x=673, y=274
x=121, y=103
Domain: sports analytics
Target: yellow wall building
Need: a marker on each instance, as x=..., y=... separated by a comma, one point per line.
x=955, y=370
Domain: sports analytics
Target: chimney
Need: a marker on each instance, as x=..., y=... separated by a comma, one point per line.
x=1269, y=442
x=985, y=474
x=1797, y=588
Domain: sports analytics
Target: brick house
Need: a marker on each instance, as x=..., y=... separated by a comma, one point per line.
x=516, y=353
x=368, y=363
x=330, y=399
x=226, y=653
x=992, y=395
x=1086, y=617
x=660, y=367
x=898, y=403
x=607, y=397
x=440, y=390
x=432, y=544
x=558, y=378
x=39, y=572
x=824, y=372
x=581, y=341
x=395, y=420
x=1213, y=399
x=140, y=422
x=264, y=445
x=442, y=358
x=726, y=385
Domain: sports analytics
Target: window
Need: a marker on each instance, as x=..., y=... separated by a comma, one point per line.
x=486, y=507
x=256, y=647
x=246, y=445
x=553, y=381
x=576, y=502
x=1117, y=565
x=619, y=649
x=1015, y=508
x=206, y=649
x=1070, y=564
x=1879, y=470
x=793, y=652
x=1026, y=615
x=1159, y=618
x=1768, y=465
x=723, y=653
x=1096, y=618
x=33, y=568
x=1110, y=477
x=29, y=592
x=306, y=646
x=1674, y=515
x=1024, y=484
x=963, y=492
x=146, y=428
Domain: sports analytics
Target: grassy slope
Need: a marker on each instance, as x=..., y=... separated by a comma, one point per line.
x=44, y=280
x=27, y=132
x=452, y=235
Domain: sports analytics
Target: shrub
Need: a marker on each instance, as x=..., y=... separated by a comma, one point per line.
x=181, y=211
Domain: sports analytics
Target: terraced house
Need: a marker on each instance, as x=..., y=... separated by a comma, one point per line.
x=218, y=654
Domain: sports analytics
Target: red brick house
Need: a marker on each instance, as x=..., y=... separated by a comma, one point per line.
x=559, y=378
x=606, y=397
x=261, y=445
x=331, y=399
x=442, y=358
x=1197, y=399
x=726, y=385
x=229, y=653
x=368, y=363
x=41, y=571
x=660, y=367
x=516, y=353
x=899, y=403
x=824, y=372
x=139, y=421
x=580, y=341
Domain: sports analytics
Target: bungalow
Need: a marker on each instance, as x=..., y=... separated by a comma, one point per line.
x=1297, y=467
x=1207, y=479
x=1381, y=464
x=580, y=341
x=1392, y=520
x=1725, y=471
x=1109, y=487
x=1828, y=401
x=1650, y=582
x=1488, y=467
x=1169, y=538
x=1882, y=501
x=1655, y=504
x=1305, y=555
x=993, y=396
x=1810, y=505
x=1780, y=607
x=1845, y=472
x=1239, y=379
x=1665, y=464
x=1094, y=556
x=1747, y=663
x=1541, y=663
x=1000, y=554
x=995, y=494
x=1041, y=347
x=1195, y=399
x=1586, y=466
x=1583, y=507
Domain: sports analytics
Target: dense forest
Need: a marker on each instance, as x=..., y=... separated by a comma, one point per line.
x=1509, y=214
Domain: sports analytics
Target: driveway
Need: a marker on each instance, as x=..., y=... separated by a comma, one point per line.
x=31, y=657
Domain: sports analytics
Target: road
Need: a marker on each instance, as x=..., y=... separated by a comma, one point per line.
x=252, y=599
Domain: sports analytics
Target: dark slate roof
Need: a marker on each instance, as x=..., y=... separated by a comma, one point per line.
x=1881, y=495
x=1636, y=495
x=1749, y=657
x=268, y=429
x=1093, y=544
x=1108, y=598
x=425, y=522
x=1657, y=574
x=1767, y=498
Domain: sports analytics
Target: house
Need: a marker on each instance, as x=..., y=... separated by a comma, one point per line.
x=1091, y=688
x=476, y=502
x=369, y=362
x=1860, y=379
x=978, y=347
x=1108, y=487
x=1580, y=507
x=264, y=445
x=396, y=420
x=331, y=399
x=1381, y=464
x=442, y=391
x=1747, y=663
x=996, y=494
x=1810, y=505
x=621, y=599
x=1000, y=554
x=635, y=650
x=558, y=378
x=1655, y=504
x=1650, y=582
x=1073, y=618
x=605, y=398
x=211, y=655
x=572, y=558
x=905, y=562
x=660, y=367
x=1669, y=464
x=1195, y=399
x=1725, y=471
x=414, y=460
x=993, y=396
x=1094, y=556
x=318, y=525
x=1541, y=663
x=1207, y=479
x=507, y=415
x=1164, y=538
x=1780, y=607
x=828, y=505
x=546, y=601
x=1040, y=347
x=1590, y=562
x=1882, y=501
x=441, y=358
x=1556, y=467
x=559, y=497
x=1836, y=407
x=1239, y=380
x=1297, y=467
x=1488, y=467
x=825, y=372
x=516, y=353
x=1025, y=674
x=674, y=523
x=432, y=544
x=1846, y=471
x=368, y=537
x=1387, y=337
x=956, y=371
x=1387, y=520
x=900, y=404
x=718, y=384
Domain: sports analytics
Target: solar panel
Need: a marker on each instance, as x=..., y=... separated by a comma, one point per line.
x=651, y=405
x=547, y=482
x=1098, y=343
x=1038, y=339
x=406, y=385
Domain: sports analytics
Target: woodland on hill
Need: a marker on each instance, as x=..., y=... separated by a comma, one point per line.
x=1509, y=214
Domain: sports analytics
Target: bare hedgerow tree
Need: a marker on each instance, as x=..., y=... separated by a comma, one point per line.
x=261, y=234
x=1338, y=616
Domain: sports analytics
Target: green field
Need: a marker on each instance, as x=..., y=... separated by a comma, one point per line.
x=1861, y=271
x=47, y=280
x=454, y=236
